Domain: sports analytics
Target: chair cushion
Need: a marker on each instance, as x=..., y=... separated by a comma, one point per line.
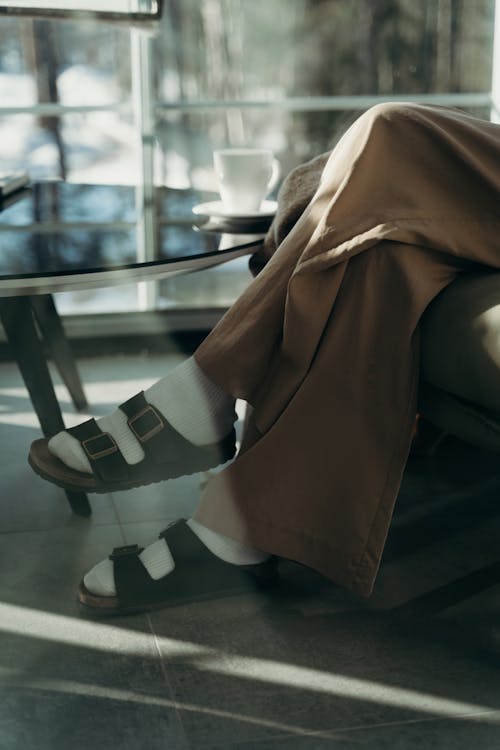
x=458, y=416
x=461, y=339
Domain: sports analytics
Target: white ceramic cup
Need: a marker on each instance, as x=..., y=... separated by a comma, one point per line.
x=245, y=176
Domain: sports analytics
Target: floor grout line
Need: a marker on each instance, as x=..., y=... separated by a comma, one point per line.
x=425, y=719
x=168, y=684
x=341, y=732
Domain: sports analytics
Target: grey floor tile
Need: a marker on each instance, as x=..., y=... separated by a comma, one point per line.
x=299, y=741
x=45, y=719
x=435, y=734
x=28, y=502
x=165, y=501
x=268, y=666
x=290, y=742
x=41, y=569
x=452, y=734
x=67, y=680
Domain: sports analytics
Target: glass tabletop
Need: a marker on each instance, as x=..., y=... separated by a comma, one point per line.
x=59, y=235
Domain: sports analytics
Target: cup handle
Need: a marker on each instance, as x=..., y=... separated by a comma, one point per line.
x=275, y=175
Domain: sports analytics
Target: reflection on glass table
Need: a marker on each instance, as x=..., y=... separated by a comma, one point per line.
x=61, y=237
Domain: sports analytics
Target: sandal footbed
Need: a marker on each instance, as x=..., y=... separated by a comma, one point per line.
x=52, y=469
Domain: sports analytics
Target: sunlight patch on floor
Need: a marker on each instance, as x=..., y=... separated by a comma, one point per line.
x=20, y=419
x=34, y=623
x=342, y=686
x=105, y=692
x=23, y=621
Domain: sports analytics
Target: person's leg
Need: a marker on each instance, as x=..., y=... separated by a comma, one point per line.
x=319, y=485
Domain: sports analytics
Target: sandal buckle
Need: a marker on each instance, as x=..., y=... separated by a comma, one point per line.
x=99, y=446
x=146, y=423
x=127, y=551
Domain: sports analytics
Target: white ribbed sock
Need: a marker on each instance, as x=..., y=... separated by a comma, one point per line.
x=158, y=560
x=195, y=406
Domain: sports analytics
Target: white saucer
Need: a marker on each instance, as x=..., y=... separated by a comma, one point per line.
x=216, y=209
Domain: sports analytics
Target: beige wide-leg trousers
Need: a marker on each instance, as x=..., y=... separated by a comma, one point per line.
x=324, y=343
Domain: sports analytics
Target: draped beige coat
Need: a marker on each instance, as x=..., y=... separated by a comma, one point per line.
x=325, y=342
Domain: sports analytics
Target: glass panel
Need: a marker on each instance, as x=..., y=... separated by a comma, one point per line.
x=232, y=49
x=84, y=65
x=228, y=50
x=41, y=58
x=94, y=147
x=68, y=64
x=187, y=140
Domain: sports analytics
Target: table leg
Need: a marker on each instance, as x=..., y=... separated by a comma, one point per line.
x=17, y=317
x=55, y=338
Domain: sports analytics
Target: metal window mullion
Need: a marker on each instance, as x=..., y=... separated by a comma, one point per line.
x=326, y=103
x=55, y=108
x=305, y=104
x=141, y=48
x=60, y=227
x=495, y=73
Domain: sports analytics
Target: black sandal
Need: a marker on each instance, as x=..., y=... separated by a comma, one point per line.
x=198, y=574
x=167, y=453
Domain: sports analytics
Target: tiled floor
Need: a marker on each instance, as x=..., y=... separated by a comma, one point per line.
x=307, y=666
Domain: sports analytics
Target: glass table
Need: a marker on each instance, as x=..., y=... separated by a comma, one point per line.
x=57, y=237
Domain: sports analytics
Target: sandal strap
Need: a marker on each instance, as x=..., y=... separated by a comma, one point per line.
x=101, y=450
x=153, y=431
x=125, y=551
x=135, y=589
x=132, y=581
x=160, y=441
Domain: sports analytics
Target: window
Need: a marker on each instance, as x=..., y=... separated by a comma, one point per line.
x=286, y=74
